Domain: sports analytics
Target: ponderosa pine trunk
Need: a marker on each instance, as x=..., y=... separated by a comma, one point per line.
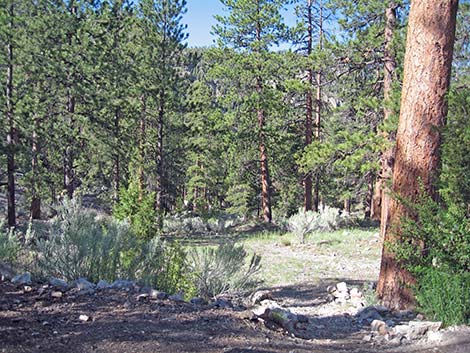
x=265, y=180
x=308, y=180
x=35, y=208
x=12, y=135
x=428, y=60
x=142, y=138
x=159, y=156
x=381, y=193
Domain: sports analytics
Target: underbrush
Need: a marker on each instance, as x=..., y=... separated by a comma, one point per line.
x=328, y=219
x=82, y=243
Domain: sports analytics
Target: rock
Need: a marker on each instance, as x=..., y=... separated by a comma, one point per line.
x=142, y=296
x=84, y=318
x=420, y=328
x=56, y=294
x=417, y=329
x=58, y=283
x=342, y=287
x=22, y=279
x=223, y=303
x=6, y=272
x=379, y=326
x=27, y=289
x=198, y=301
x=246, y=315
x=259, y=296
x=102, y=284
x=176, y=298
x=155, y=294
x=368, y=314
x=82, y=284
x=367, y=338
x=123, y=284
x=354, y=293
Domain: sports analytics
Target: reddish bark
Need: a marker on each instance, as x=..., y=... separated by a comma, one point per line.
x=428, y=60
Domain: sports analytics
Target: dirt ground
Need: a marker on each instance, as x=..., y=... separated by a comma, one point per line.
x=33, y=321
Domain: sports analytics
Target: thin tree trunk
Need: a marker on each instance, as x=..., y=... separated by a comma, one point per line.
x=159, y=158
x=265, y=180
x=35, y=209
x=12, y=135
x=369, y=196
x=69, y=177
x=386, y=160
x=318, y=80
x=308, y=182
x=117, y=159
x=428, y=61
x=142, y=138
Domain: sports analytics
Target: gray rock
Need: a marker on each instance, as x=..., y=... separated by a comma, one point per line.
x=84, y=318
x=367, y=338
x=23, y=279
x=417, y=329
x=56, y=294
x=176, y=298
x=198, y=301
x=379, y=326
x=342, y=287
x=6, y=272
x=58, y=283
x=368, y=314
x=82, y=284
x=102, y=284
x=123, y=284
x=258, y=296
x=223, y=303
x=355, y=293
x=156, y=294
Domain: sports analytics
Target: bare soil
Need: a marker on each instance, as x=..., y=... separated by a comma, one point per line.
x=33, y=321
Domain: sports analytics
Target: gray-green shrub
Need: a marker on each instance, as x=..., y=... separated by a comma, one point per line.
x=226, y=269
x=10, y=245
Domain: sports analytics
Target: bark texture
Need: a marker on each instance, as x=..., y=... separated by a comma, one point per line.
x=381, y=193
x=428, y=59
x=11, y=136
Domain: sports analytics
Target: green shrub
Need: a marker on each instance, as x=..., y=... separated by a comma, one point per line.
x=327, y=219
x=139, y=212
x=10, y=246
x=223, y=270
x=444, y=296
x=83, y=244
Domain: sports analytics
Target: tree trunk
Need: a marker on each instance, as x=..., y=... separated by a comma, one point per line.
x=69, y=177
x=142, y=138
x=35, y=208
x=386, y=160
x=117, y=159
x=369, y=195
x=428, y=60
x=159, y=157
x=318, y=79
x=265, y=181
x=308, y=183
x=12, y=135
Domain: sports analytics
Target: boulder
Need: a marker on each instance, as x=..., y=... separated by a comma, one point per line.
x=123, y=284
x=259, y=296
x=156, y=294
x=23, y=279
x=102, y=284
x=58, y=283
x=83, y=285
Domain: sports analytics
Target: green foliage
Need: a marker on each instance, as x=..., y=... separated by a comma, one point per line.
x=223, y=270
x=327, y=219
x=137, y=206
x=10, y=245
x=445, y=233
x=444, y=296
x=83, y=244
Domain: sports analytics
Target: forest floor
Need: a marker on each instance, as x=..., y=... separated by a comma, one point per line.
x=297, y=275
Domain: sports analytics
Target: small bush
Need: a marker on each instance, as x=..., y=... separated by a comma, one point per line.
x=82, y=244
x=223, y=270
x=327, y=220
x=444, y=296
x=10, y=246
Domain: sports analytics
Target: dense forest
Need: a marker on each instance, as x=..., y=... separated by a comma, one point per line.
x=103, y=98
x=105, y=102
